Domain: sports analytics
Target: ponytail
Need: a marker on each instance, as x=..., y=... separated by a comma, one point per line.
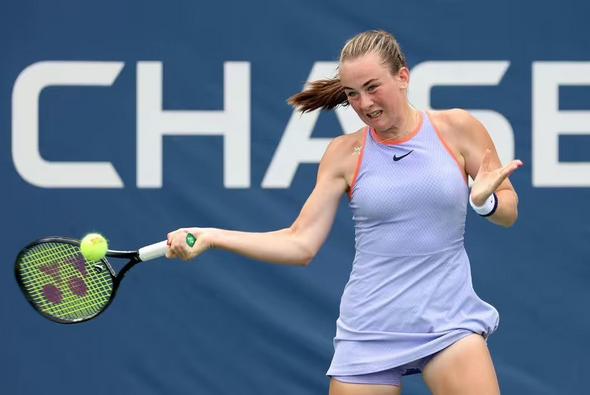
x=325, y=94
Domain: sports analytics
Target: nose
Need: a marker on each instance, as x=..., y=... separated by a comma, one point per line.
x=365, y=101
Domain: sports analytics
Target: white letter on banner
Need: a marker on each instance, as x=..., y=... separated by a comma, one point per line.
x=548, y=122
x=25, y=125
x=296, y=145
x=233, y=123
x=429, y=74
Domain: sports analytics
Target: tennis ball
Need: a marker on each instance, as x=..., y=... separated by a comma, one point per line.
x=94, y=246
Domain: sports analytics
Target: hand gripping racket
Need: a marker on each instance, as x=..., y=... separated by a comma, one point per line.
x=65, y=287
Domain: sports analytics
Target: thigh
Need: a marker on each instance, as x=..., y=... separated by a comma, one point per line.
x=465, y=368
x=340, y=388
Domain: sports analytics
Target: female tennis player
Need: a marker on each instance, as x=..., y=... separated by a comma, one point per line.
x=409, y=305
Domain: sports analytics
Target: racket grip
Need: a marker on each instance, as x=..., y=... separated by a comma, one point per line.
x=153, y=251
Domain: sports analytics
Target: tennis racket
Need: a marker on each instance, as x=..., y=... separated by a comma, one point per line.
x=67, y=288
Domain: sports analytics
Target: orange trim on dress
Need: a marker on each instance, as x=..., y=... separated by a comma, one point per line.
x=410, y=136
x=448, y=148
x=359, y=162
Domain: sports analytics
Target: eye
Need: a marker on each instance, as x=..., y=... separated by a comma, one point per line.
x=351, y=94
x=372, y=88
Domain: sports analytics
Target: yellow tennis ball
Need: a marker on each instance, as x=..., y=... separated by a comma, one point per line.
x=94, y=246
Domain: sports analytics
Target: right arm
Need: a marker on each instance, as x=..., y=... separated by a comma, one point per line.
x=295, y=245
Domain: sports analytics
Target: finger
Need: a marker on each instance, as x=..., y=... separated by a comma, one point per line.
x=511, y=168
x=172, y=235
x=185, y=255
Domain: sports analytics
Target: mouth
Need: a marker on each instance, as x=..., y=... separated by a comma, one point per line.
x=375, y=114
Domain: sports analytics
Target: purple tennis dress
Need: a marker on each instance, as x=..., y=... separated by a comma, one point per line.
x=410, y=292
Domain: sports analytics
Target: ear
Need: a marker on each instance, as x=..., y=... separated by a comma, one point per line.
x=403, y=76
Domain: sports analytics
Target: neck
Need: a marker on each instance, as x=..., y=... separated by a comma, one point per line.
x=405, y=123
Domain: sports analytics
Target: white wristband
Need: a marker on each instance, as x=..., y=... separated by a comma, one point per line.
x=487, y=208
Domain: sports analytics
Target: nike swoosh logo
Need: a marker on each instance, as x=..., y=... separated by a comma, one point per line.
x=396, y=158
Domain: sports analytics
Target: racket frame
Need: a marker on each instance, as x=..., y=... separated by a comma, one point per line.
x=117, y=277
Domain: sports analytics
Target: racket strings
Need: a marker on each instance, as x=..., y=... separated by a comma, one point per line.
x=62, y=284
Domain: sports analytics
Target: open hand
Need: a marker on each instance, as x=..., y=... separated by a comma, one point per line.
x=489, y=177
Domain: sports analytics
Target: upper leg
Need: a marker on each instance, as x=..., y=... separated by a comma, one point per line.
x=340, y=388
x=464, y=368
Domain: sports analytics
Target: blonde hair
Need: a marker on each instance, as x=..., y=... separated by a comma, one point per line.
x=328, y=93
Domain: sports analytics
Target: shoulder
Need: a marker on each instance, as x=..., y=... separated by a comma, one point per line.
x=346, y=142
x=456, y=119
x=458, y=127
x=345, y=145
x=342, y=153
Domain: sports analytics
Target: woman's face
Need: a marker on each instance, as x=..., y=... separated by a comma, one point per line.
x=377, y=96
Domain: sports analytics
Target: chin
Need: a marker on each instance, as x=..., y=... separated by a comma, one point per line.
x=379, y=126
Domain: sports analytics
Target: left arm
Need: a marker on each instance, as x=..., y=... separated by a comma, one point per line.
x=483, y=165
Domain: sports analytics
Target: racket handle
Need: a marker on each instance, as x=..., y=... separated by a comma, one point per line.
x=153, y=251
